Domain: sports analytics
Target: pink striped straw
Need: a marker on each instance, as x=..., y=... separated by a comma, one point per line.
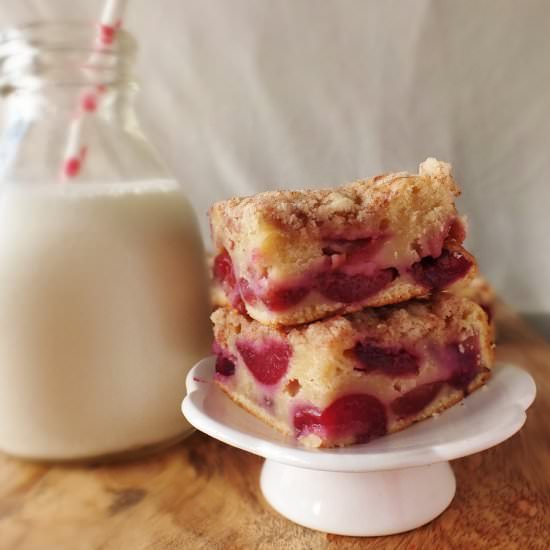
x=75, y=150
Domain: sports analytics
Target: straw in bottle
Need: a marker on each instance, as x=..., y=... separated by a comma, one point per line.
x=75, y=148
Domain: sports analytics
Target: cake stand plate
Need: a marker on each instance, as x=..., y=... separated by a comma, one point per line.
x=390, y=485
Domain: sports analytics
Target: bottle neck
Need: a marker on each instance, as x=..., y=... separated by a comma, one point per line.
x=58, y=84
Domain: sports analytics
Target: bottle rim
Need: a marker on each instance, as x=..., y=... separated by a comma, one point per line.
x=63, y=53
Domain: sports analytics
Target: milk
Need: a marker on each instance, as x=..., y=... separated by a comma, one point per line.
x=103, y=310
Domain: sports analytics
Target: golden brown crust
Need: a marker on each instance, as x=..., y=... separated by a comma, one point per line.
x=349, y=205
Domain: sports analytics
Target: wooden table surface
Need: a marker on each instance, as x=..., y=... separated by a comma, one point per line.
x=203, y=494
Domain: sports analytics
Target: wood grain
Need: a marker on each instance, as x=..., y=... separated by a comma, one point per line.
x=205, y=495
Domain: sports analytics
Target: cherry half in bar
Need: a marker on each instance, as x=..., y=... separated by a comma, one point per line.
x=341, y=287
x=224, y=273
x=279, y=299
x=389, y=361
x=440, y=272
x=223, y=268
x=359, y=415
x=463, y=360
x=224, y=365
x=267, y=359
x=225, y=362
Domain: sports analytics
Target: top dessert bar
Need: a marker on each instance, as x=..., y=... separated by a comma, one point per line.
x=291, y=257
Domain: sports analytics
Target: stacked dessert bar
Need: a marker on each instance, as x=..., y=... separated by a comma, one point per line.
x=334, y=325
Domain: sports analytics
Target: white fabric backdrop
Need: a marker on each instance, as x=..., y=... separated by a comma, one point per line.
x=248, y=95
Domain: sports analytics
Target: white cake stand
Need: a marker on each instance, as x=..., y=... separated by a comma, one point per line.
x=392, y=484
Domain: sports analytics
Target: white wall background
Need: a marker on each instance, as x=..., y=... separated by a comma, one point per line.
x=248, y=95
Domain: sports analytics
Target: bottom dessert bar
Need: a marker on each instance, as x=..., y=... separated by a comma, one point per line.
x=348, y=379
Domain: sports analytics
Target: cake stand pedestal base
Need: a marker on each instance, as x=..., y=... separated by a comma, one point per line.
x=360, y=504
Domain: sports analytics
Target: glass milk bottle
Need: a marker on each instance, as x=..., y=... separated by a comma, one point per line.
x=103, y=292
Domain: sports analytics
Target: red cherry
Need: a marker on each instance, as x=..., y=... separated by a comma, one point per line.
x=223, y=268
x=223, y=272
x=463, y=359
x=225, y=363
x=340, y=287
x=360, y=416
x=440, y=272
x=389, y=361
x=279, y=299
x=267, y=360
x=224, y=366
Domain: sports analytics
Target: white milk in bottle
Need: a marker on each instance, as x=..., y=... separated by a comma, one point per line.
x=103, y=288
x=103, y=310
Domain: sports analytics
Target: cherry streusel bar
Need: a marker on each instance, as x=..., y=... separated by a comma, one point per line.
x=348, y=379
x=290, y=257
